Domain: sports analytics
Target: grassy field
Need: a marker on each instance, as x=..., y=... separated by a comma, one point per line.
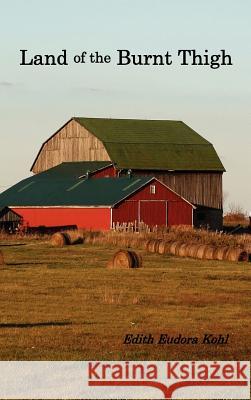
x=63, y=304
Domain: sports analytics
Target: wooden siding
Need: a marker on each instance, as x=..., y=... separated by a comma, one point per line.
x=71, y=143
x=7, y=215
x=200, y=188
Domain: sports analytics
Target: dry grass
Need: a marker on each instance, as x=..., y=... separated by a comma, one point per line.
x=233, y=222
x=64, y=304
x=183, y=234
x=22, y=236
x=236, y=216
x=132, y=239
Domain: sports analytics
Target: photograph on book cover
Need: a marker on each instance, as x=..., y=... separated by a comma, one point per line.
x=125, y=193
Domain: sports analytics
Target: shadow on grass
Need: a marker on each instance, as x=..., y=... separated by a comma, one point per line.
x=35, y=324
x=11, y=245
x=30, y=263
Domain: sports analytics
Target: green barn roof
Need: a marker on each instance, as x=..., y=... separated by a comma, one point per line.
x=39, y=191
x=73, y=169
x=153, y=144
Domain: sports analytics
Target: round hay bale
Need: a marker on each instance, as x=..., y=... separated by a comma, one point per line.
x=145, y=243
x=236, y=254
x=74, y=237
x=142, y=243
x=174, y=247
x=192, y=250
x=153, y=245
x=157, y=242
x=1, y=259
x=122, y=260
x=137, y=259
x=220, y=253
x=164, y=247
x=183, y=249
x=209, y=252
x=157, y=246
x=200, y=251
x=59, y=240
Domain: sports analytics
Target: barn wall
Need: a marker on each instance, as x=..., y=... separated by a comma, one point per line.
x=126, y=212
x=203, y=188
x=178, y=210
x=88, y=218
x=7, y=215
x=109, y=171
x=179, y=214
x=153, y=212
x=71, y=143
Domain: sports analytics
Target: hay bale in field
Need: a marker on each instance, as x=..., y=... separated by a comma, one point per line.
x=209, y=252
x=174, y=247
x=124, y=259
x=236, y=254
x=59, y=239
x=137, y=259
x=144, y=244
x=192, y=250
x=220, y=253
x=183, y=250
x=74, y=237
x=200, y=251
x=164, y=247
x=152, y=246
x=1, y=258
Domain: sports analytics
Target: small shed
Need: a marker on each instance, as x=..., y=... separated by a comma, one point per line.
x=9, y=219
x=97, y=203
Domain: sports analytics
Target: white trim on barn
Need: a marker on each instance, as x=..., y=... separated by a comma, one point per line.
x=111, y=219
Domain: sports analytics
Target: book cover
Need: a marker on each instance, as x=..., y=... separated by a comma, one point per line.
x=125, y=198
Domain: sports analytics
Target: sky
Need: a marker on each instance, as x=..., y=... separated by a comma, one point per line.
x=36, y=100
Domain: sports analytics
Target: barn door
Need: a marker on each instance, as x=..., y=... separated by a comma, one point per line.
x=153, y=212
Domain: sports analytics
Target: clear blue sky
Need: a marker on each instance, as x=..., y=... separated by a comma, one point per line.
x=35, y=101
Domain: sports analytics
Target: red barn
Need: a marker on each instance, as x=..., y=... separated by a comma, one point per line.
x=62, y=199
x=169, y=150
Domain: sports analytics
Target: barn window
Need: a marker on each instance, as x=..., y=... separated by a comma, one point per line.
x=152, y=189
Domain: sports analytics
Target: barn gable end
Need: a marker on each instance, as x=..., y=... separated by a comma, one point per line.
x=72, y=142
x=162, y=207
